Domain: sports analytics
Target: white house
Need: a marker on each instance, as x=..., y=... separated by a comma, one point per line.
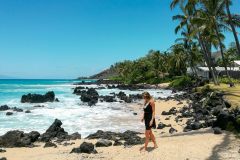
x=205, y=73
x=237, y=64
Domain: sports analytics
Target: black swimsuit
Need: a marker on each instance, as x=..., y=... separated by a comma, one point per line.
x=148, y=117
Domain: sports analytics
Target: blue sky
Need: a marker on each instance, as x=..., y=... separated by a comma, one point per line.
x=71, y=38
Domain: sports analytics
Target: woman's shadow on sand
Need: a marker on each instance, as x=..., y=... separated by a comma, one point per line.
x=150, y=149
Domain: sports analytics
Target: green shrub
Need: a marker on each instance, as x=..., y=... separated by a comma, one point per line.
x=230, y=127
x=116, y=78
x=206, y=89
x=227, y=81
x=159, y=80
x=238, y=120
x=181, y=82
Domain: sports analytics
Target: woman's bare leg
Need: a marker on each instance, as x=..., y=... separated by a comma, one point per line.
x=153, y=139
x=147, y=136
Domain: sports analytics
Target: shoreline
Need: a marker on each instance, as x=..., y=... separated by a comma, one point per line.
x=200, y=144
x=184, y=131
x=69, y=103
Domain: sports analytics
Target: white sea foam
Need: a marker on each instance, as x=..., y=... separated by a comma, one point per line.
x=75, y=115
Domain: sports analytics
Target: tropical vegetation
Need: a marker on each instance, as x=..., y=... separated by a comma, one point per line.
x=201, y=29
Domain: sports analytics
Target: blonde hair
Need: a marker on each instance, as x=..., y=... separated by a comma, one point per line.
x=147, y=95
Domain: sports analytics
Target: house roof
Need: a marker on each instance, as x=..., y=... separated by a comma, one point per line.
x=237, y=62
x=219, y=69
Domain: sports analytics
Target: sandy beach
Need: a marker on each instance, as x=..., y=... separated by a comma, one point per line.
x=195, y=145
x=78, y=79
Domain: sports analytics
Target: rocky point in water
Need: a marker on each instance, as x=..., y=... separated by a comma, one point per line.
x=90, y=96
x=38, y=98
x=4, y=108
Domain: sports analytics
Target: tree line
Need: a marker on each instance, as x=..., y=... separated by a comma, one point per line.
x=202, y=25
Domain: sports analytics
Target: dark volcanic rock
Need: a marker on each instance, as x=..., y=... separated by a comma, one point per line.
x=75, y=136
x=33, y=135
x=179, y=103
x=165, y=113
x=136, y=96
x=38, y=98
x=3, y=158
x=130, y=137
x=222, y=120
x=78, y=90
x=196, y=125
x=4, y=108
x=27, y=111
x=172, y=130
x=84, y=148
x=168, y=118
x=122, y=96
x=186, y=130
x=68, y=144
x=109, y=98
x=39, y=106
x=162, y=125
x=193, y=125
x=227, y=104
x=172, y=111
x=2, y=150
x=9, y=113
x=18, y=139
x=54, y=131
x=50, y=144
x=117, y=143
x=217, y=130
x=17, y=109
x=207, y=109
x=103, y=143
x=90, y=96
x=103, y=135
x=216, y=110
x=209, y=122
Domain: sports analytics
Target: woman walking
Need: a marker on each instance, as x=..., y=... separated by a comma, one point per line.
x=149, y=119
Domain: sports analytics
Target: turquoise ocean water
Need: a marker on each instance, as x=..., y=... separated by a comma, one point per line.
x=75, y=115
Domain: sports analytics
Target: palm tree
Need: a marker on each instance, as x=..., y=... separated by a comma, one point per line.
x=230, y=21
x=194, y=32
x=188, y=3
x=211, y=15
x=178, y=60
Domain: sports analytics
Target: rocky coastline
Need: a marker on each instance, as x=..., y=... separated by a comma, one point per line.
x=203, y=110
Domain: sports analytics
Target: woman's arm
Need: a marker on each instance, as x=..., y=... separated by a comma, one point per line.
x=153, y=109
x=142, y=117
x=153, y=112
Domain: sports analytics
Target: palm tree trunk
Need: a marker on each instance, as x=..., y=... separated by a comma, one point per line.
x=209, y=54
x=232, y=27
x=207, y=59
x=194, y=68
x=193, y=71
x=221, y=50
